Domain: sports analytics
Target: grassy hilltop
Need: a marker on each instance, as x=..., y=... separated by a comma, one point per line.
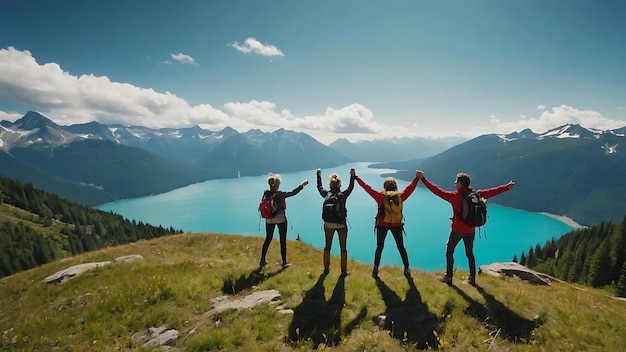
x=112, y=307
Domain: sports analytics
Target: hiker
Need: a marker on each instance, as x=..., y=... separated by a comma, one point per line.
x=386, y=220
x=334, y=214
x=460, y=229
x=279, y=218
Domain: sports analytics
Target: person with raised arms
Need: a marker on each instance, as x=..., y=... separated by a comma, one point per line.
x=278, y=217
x=389, y=217
x=334, y=214
x=460, y=230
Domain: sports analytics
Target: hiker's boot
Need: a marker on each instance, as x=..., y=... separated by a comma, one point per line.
x=344, y=262
x=446, y=279
x=472, y=280
x=262, y=262
x=326, y=261
x=375, y=271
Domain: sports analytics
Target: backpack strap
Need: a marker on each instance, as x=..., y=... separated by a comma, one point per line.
x=464, y=194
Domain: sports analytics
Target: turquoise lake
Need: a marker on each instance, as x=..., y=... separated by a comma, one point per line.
x=230, y=206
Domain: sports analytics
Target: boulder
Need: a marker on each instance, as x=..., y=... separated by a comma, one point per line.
x=161, y=336
x=66, y=274
x=512, y=268
x=222, y=303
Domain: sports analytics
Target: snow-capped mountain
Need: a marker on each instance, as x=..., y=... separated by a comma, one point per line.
x=565, y=131
x=130, y=161
x=569, y=170
x=33, y=128
x=36, y=128
x=608, y=140
x=191, y=145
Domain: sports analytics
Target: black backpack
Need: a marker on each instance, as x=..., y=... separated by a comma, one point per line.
x=334, y=208
x=474, y=211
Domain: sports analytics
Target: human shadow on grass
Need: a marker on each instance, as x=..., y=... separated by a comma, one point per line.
x=318, y=320
x=233, y=286
x=408, y=320
x=498, y=318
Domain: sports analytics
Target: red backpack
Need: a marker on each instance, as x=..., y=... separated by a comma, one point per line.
x=269, y=206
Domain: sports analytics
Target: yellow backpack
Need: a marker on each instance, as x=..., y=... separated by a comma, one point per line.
x=391, y=209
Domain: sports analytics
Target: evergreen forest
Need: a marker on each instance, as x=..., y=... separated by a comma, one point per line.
x=594, y=256
x=37, y=227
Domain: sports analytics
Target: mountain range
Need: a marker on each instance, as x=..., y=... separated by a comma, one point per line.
x=394, y=149
x=94, y=163
x=569, y=170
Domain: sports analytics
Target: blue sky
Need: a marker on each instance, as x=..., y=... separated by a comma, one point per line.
x=332, y=69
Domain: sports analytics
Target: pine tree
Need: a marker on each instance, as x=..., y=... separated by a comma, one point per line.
x=600, y=267
x=621, y=283
x=530, y=259
x=618, y=252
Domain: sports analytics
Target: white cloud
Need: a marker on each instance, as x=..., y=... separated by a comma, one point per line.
x=541, y=107
x=559, y=116
x=77, y=99
x=251, y=45
x=10, y=116
x=69, y=99
x=354, y=118
x=183, y=58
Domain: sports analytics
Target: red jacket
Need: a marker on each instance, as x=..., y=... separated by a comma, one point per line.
x=455, y=198
x=380, y=195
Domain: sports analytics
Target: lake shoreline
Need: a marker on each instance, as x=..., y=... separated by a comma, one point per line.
x=427, y=225
x=564, y=219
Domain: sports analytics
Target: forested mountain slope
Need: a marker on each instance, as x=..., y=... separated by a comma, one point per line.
x=594, y=256
x=37, y=227
x=568, y=171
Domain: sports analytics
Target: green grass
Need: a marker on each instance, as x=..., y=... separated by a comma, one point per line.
x=112, y=308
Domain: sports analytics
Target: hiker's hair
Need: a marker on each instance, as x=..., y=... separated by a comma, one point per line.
x=463, y=178
x=335, y=181
x=273, y=181
x=390, y=184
